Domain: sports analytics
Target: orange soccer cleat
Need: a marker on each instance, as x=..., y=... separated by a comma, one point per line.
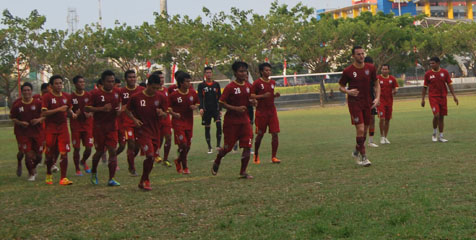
x=275, y=160
x=256, y=159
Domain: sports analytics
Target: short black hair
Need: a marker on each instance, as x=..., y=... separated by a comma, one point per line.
x=368, y=59
x=106, y=74
x=142, y=84
x=26, y=84
x=263, y=65
x=54, y=77
x=178, y=74
x=117, y=80
x=386, y=65
x=207, y=68
x=99, y=82
x=153, y=79
x=181, y=78
x=356, y=47
x=435, y=59
x=157, y=73
x=44, y=86
x=239, y=64
x=128, y=72
x=76, y=78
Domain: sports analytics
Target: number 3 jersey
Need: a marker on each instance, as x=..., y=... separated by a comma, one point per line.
x=236, y=94
x=180, y=102
x=265, y=105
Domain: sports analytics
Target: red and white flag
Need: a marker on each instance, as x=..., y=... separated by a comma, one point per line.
x=284, y=73
x=174, y=69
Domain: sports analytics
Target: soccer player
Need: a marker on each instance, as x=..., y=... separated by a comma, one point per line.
x=165, y=123
x=373, y=111
x=144, y=108
x=26, y=115
x=209, y=92
x=126, y=126
x=181, y=105
x=237, y=126
x=388, y=88
x=358, y=77
x=436, y=81
x=55, y=107
x=105, y=106
x=81, y=126
x=266, y=115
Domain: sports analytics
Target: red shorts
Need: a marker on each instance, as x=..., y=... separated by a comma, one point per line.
x=438, y=106
x=385, y=112
x=262, y=122
x=234, y=132
x=104, y=139
x=182, y=136
x=150, y=147
x=28, y=143
x=359, y=114
x=57, y=142
x=121, y=136
x=165, y=130
x=18, y=138
x=86, y=137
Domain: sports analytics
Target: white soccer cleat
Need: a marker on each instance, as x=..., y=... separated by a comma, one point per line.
x=382, y=140
x=54, y=168
x=365, y=162
x=356, y=156
x=210, y=151
x=442, y=140
x=386, y=141
x=371, y=144
x=434, y=138
x=32, y=178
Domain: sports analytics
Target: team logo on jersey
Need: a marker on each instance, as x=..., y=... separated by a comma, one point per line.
x=248, y=90
x=390, y=81
x=33, y=107
x=146, y=147
x=442, y=75
x=381, y=82
x=191, y=98
x=367, y=72
x=86, y=100
x=64, y=100
x=356, y=119
x=116, y=96
x=156, y=103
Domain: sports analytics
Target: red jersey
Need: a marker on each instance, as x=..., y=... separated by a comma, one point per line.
x=387, y=85
x=180, y=103
x=173, y=88
x=27, y=111
x=265, y=105
x=436, y=82
x=126, y=94
x=360, y=79
x=105, y=121
x=81, y=123
x=144, y=108
x=164, y=95
x=236, y=94
x=37, y=96
x=54, y=123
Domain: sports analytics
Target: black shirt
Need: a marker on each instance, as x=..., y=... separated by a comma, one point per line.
x=209, y=93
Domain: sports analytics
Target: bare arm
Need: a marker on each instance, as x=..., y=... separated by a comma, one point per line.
x=105, y=108
x=46, y=113
x=423, y=95
x=351, y=92
x=136, y=121
x=233, y=108
x=377, y=93
x=450, y=86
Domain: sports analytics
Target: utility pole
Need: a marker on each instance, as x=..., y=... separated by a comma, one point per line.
x=163, y=7
x=72, y=20
x=100, y=14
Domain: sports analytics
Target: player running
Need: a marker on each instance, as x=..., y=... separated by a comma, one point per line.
x=373, y=111
x=388, y=88
x=144, y=108
x=26, y=115
x=358, y=77
x=126, y=125
x=266, y=115
x=436, y=81
x=237, y=126
x=105, y=106
x=165, y=123
x=81, y=126
x=55, y=108
x=209, y=92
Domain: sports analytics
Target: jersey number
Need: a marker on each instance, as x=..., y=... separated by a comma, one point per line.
x=262, y=86
x=126, y=95
x=179, y=99
x=75, y=101
x=102, y=98
x=355, y=74
x=237, y=91
x=142, y=103
x=53, y=101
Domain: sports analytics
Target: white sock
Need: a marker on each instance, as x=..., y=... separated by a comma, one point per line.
x=371, y=139
x=435, y=131
x=441, y=135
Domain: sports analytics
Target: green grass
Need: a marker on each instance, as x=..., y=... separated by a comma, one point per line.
x=415, y=189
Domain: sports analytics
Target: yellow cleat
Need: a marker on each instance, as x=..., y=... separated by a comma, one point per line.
x=158, y=159
x=65, y=181
x=49, y=179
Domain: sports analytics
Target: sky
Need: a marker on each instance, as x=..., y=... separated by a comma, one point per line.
x=136, y=12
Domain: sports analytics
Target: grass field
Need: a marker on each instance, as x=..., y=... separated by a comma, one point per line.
x=415, y=189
